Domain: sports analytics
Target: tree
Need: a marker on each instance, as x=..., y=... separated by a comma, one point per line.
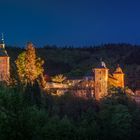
x=115, y=122
x=29, y=66
x=136, y=124
x=59, y=78
x=18, y=118
x=20, y=63
x=33, y=93
x=30, y=63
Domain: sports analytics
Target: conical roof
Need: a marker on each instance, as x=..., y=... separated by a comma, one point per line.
x=3, y=52
x=118, y=70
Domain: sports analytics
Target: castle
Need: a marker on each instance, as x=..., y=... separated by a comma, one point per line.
x=4, y=62
x=103, y=80
x=92, y=86
x=96, y=87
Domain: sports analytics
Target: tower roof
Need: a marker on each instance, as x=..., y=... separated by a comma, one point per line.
x=2, y=39
x=3, y=51
x=101, y=65
x=118, y=70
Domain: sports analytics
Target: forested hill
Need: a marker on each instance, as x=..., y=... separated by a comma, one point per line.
x=75, y=62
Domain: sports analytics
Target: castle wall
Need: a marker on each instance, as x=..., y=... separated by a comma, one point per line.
x=120, y=79
x=4, y=68
x=101, y=82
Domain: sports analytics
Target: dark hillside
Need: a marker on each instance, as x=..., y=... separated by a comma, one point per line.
x=78, y=61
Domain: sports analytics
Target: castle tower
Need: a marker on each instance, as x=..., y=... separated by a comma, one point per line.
x=4, y=62
x=101, y=81
x=119, y=75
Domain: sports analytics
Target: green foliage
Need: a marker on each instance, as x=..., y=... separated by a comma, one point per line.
x=136, y=124
x=29, y=67
x=32, y=115
x=20, y=63
x=19, y=120
x=115, y=122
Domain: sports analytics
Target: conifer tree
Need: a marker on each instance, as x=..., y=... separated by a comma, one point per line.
x=29, y=66
x=30, y=63
x=20, y=63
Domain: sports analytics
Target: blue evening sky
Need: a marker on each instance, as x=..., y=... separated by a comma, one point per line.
x=70, y=22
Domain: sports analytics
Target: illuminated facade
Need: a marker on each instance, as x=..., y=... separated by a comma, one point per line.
x=92, y=86
x=101, y=81
x=4, y=63
x=119, y=76
x=95, y=86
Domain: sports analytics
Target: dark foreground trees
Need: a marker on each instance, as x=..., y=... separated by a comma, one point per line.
x=47, y=117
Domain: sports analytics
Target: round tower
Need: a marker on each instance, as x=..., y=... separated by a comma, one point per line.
x=119, y=76
x=101, y=81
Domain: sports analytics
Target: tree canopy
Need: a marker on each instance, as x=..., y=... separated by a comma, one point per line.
x=29, y=66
